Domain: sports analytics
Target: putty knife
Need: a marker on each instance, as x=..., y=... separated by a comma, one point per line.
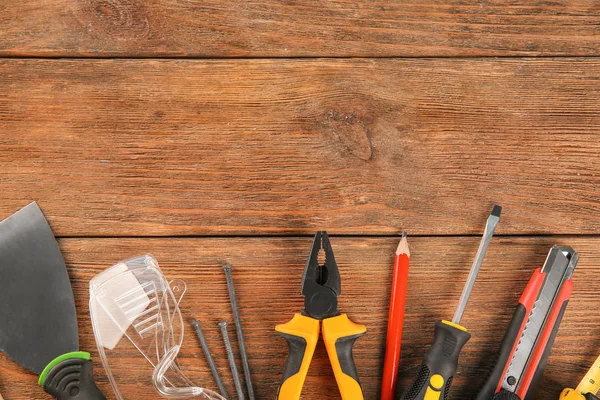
x=38, y=322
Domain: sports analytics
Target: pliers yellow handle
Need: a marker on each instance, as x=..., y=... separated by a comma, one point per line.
x=302, y=334
x=339, y=335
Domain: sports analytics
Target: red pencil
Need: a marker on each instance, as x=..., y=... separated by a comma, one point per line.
x=395, y=320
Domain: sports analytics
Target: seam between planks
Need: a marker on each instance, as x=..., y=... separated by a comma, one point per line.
x=181, y=58
x=358, y=236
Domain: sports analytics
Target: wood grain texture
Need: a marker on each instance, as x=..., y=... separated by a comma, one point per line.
x=161, y=148
x=268, y=272
x=267, y=28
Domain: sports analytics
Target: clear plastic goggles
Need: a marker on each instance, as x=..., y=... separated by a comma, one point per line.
x=138, y=324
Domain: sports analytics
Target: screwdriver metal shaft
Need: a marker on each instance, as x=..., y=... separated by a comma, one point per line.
x=490, y=227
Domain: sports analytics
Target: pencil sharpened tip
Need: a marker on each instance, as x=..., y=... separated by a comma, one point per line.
x=496, y=211
x=404, y=234
x=403, y=246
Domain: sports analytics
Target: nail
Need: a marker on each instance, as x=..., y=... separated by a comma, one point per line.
x=209, y=359
x=238, y=329
x=231, y=358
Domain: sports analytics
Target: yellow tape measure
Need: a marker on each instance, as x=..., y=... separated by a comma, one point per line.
x=591, y=382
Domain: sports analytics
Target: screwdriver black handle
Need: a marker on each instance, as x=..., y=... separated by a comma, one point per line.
x=440, y=363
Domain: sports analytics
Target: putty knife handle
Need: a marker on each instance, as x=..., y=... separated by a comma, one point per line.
x=73, y=378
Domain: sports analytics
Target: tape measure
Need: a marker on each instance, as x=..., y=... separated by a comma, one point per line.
x=591, y=382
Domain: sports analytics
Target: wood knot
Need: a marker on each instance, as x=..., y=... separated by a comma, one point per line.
x=119, y=19
x=352, y=132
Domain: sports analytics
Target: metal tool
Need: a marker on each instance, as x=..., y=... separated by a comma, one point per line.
x=209, y=358
x=490, y=227
x=529, y=337
x=38, y=321
x=231, y=358
x=237, y=320
x=437, y=371
x=321, y=285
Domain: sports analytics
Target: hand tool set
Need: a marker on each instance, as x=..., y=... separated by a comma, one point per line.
x=137, y=322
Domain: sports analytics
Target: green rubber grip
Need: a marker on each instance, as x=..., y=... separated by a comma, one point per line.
x=440, y=363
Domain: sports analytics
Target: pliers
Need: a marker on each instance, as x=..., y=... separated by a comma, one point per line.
x=321, y=285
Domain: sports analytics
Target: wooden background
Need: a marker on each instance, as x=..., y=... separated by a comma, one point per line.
x=213, y=132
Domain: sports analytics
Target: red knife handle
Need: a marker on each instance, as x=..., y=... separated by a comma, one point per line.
x=537, y=363
x=535, y=370
x=493, y=384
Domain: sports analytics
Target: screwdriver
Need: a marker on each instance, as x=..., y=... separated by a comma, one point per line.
x=588, y=387
x=441, y=360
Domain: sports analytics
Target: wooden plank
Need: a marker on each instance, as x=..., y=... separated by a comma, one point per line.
x=268, y=28
x=268, y=272
x=163, y=148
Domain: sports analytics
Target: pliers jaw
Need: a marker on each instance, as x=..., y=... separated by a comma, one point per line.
x=321, y=284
